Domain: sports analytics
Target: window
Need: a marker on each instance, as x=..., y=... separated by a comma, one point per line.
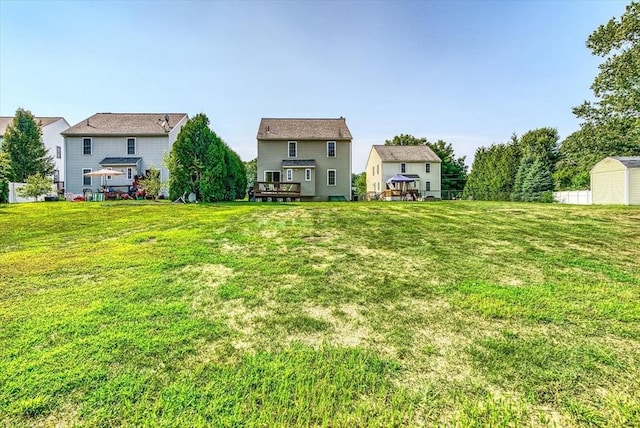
x=289, y=175
x=427, y=167
x=307, y=174
x=272, y=176
x=331, y=177
x=56, y=176
x=131, y=146
x=86, y=181
x=86, y=146
x=373, y=170
x=109, y=177
x=378, y=171
x=58, y=152
x=331, y=149
x=293, y=149
x=129, y=173
x=403, y=168
x=427, y=186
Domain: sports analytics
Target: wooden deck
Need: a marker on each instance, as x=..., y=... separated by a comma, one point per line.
x=276, y=191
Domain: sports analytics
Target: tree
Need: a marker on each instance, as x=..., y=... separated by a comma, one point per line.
x=151, y=182
x=359, y=181
x=494, y=171
x=35, y=186
x=617, y=85
x=23, y=143
x=405, y=140
x=200, y=162
x=539, y=153
x=252, y=171
x=5, y=174
x=453, y=170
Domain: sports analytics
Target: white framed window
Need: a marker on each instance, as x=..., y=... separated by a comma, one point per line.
x=86, y=181
x=331, y=177
x=58, y=152
x=307, y=174
x=131, y=146
x=403, y=168
x=86, y=146
x=427, y=186
x=293, y=149
x=427, y=167
x=331, y=149
x=272, y=176
x=129, y=173
x=289, y=173
x=109, y=177
x=56, y=176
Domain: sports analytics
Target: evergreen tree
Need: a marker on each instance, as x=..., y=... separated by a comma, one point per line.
x=23, y=143
x=5, y=174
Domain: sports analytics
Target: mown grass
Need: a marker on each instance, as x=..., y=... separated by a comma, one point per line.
x=354, y=314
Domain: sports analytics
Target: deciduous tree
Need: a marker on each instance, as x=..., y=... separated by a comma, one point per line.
x=405, y=140
x=453, y=170
x=35, y=186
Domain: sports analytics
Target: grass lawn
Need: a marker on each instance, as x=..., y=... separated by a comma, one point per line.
x=334, y=314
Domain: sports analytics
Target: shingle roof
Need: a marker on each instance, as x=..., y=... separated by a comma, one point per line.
x=125, y=124
x=303, y=129
x=44, y=121
x=629, y=161
x=406, y=153
x=119, y=161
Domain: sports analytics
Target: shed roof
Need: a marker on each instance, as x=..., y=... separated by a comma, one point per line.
x=126, y=124
x=303, y=129
x=406, y=153
x=120, y=161
x=629, y=161
x=299, y=162
x=7, y=120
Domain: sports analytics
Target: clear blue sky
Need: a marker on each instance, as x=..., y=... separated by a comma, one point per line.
x=468, y=72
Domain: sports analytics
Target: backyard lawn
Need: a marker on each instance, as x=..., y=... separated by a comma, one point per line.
x=319, y=314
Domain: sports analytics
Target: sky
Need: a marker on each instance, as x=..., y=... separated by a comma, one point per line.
x=469, y=72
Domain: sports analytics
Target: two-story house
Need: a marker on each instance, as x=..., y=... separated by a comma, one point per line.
x=315, y=154
x=51, y=128
x=127, y=142
x=418, y=163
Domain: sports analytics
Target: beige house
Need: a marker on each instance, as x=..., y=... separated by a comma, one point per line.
x=616, y=180
x=305, y=159
x=126, y=142
x=51, y=128
x=418, y=163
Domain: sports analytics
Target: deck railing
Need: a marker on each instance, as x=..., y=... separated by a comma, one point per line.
x=276, y=189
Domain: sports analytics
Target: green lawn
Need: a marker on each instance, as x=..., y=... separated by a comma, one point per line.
x=334, y=314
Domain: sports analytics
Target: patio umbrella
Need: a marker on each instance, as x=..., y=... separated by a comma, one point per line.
x=103, y=173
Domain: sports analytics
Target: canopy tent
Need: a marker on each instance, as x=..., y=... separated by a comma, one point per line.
x=399, y=178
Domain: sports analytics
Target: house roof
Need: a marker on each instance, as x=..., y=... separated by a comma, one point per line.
x=406, y=153
x=304, y=129
x=629, y=161
x=7, y=120
x=299, y=162
x=126, y=124
x=120, y=161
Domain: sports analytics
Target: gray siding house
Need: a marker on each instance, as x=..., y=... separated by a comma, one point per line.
x=126, y=142
x=314, y=153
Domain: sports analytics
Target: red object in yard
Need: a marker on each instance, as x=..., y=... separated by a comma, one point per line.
x=78, y=199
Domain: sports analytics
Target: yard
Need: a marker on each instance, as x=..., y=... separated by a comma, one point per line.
x=319, y=314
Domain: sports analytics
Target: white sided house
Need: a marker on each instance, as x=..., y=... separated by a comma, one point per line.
x=51, y=128
x=616, y=180
x=127, y=142
x=419, y=163
x=304, y=159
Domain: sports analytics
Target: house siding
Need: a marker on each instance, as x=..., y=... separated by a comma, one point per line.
x=634, y=186
x=51, y=138
x=374, y=181
x=271, y=154
x=608, y=182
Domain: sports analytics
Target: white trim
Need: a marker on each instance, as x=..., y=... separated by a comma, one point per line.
x=135, y=146
x=427, y=168
x=403, y=168
x=272, y=171
x=289, y=174
x=289, y=149
x=335, y=178
x=129, y=173
x=335, y=149
x=109, y=177
x=85, y=171
x=90, y=146
x=307, y=174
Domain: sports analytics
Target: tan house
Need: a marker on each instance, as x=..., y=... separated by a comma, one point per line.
x=304, y=159
x=616, y=180
x=418, y=163
x=51, y=128
x=126, y=142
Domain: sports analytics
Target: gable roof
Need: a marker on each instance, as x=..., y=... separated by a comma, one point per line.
x=126, y=124
x=629, y=161
x=44, y=121
x=304, y=129
x=406, y=153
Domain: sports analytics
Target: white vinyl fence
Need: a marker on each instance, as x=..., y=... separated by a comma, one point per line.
x=575, y=197
x=13, y=194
